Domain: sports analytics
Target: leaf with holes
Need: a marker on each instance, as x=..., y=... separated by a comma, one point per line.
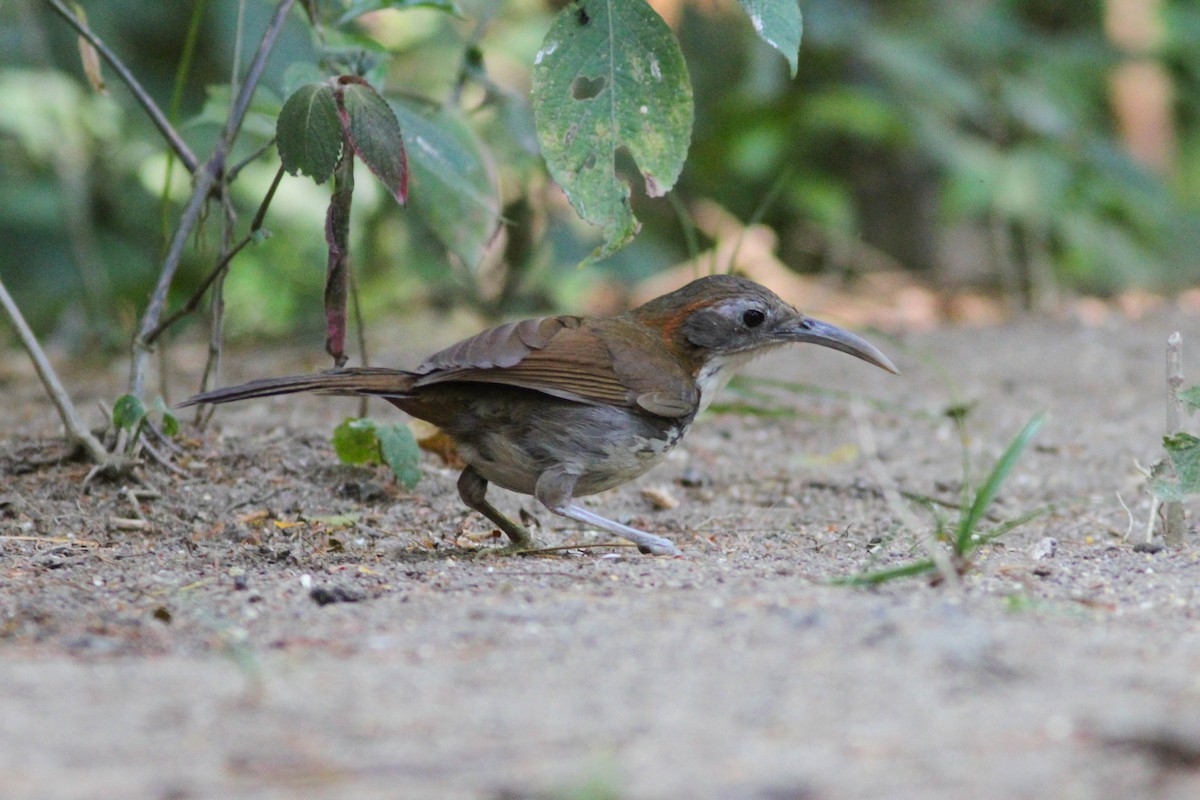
x=400, y=452
x=610, y=75
x=308, y=133
x=779, y=24
x=455, y=186
x=373, y=132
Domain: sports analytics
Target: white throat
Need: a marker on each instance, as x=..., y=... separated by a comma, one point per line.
x=717, y=372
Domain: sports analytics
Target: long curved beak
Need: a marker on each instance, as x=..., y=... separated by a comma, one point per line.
x=822, y=333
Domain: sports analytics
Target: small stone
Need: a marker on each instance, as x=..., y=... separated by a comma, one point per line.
x=325, y=595
x=691, y=478
x=1045, y=548
x=660, y=498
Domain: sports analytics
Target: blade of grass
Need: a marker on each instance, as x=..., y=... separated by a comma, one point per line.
x=885, y=575
x=987, y=492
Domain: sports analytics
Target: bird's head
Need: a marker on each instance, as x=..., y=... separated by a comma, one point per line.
x=725, y=317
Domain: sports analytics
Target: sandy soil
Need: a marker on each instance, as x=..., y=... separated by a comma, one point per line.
x=192, y=659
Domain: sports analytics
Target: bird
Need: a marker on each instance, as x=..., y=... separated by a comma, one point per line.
x=561, y=407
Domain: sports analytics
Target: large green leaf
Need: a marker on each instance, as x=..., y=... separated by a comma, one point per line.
x=374, y=133
x=454, y=186
x=610, y=75
x=308, y=133
x=779, y=24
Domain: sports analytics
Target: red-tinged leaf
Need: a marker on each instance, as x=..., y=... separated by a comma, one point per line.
x=370, y=127
x=337, y=274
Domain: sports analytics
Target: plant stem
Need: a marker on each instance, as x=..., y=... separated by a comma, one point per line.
x=143, y=97
x=337, y=236
x=1173, y=510
x=360, y=331
x=77, y=432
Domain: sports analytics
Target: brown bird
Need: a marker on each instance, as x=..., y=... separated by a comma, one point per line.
x=561, y=407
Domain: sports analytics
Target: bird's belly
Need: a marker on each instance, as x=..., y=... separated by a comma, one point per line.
x=512, y=443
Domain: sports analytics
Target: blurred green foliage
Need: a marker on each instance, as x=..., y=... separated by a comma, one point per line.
x=972, y=139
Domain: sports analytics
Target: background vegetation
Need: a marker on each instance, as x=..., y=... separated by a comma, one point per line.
x=990, y=142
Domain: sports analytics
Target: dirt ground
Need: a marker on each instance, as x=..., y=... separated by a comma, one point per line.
x=190, y=658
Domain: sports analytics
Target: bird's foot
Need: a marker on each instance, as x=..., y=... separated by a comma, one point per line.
x=665, y=547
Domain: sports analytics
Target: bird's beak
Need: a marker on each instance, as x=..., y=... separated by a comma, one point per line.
x=816, y=332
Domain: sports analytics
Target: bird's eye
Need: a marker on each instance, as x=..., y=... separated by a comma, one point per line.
x=753, y=317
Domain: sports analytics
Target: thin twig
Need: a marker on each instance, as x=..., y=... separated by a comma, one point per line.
x=216, y=333
x=156, y=115
x=219, y=268
x=1173, y=517
x=232, y=173
x=206, y=177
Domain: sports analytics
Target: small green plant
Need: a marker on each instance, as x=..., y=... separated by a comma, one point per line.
x=365, y=441
x=966, y=535
x=130, y=414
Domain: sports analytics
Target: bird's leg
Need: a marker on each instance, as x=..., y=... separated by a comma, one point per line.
x=555, y=490
x=472, y=488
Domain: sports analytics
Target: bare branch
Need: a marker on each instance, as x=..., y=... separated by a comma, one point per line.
x=1173, y=516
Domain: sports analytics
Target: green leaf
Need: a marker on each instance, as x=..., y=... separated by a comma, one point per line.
x=1190, y=397
x=1179, y=477
x=885, y=575
x=359, y=7
x=779, y=24
x=610, y=75
x=128, y=412
x=170, y=423
x=987, y=492
x=308, y=132
x=356, y=442
x=401, y=453
x=374, y=133
x=454, y=186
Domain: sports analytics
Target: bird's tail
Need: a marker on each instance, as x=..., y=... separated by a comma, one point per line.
x=377, y=381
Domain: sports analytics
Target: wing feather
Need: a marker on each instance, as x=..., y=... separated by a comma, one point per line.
x=572, y=358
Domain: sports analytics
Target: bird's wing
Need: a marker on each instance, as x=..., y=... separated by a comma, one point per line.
x=571, y=358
